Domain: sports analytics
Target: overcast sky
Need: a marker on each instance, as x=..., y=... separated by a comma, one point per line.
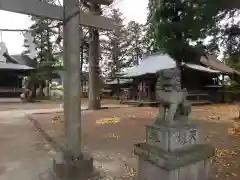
x=135, y=10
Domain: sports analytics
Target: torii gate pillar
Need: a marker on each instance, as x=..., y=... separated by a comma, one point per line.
x=72, y=164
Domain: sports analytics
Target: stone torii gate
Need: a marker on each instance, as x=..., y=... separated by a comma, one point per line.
x=72, y=17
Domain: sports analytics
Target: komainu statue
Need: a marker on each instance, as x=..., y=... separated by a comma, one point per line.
x=169, y=94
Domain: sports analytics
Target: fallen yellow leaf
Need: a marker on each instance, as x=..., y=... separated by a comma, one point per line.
x=111, y=120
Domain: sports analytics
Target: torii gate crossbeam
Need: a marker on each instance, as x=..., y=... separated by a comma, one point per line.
x=38, y=8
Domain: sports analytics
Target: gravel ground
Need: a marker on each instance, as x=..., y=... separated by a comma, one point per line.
x=111, y=133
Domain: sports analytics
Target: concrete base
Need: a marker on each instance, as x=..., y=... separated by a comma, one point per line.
x=174, y=160
x=184, y=164
x=196, y=171
x=73, y=169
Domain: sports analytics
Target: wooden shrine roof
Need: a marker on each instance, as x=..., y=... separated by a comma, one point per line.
x=13, y=63
x=12, y=66
x=121, y=81
x=212, y=62
x=153, y=63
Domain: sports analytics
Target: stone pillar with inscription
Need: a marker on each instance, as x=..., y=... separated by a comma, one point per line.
x=172, y=150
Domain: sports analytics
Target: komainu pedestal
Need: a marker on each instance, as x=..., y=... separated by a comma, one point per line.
x=172, y=150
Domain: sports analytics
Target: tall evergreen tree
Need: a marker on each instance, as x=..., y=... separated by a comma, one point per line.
x=114, y=46
x=136, y=47
x=46, y=45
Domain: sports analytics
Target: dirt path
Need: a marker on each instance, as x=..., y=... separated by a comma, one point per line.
x=109, y=136
x=24, y=153
x=9, y=104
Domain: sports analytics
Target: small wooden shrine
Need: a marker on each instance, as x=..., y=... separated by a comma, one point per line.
x=201, y=80
x=12, y=72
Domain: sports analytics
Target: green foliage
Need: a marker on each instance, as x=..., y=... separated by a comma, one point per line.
x=114, y=45
x=136, y=47
x=45, y=47
x=234, y=87
x=124, y=47
x=174, y=24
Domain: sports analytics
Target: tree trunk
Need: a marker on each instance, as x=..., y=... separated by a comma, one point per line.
x=179, y=66
x=47, y=88
x=40, y=91
x=81, y=58
x=238, y=117
x=33, y=94
x=94, y=89
x=238, y=113
x=81, y=67
x=118, y=88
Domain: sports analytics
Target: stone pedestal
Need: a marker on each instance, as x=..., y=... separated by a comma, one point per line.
x=173, y=152
x=172, y=138
x=196, y=171
x=65, y=168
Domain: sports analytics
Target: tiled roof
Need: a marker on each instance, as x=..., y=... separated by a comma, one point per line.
x=200, y=68
x=18, y=62
x=25, y=60
x=14, y=66
x=151, y=64
x=212, y=62
x=121, y=81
